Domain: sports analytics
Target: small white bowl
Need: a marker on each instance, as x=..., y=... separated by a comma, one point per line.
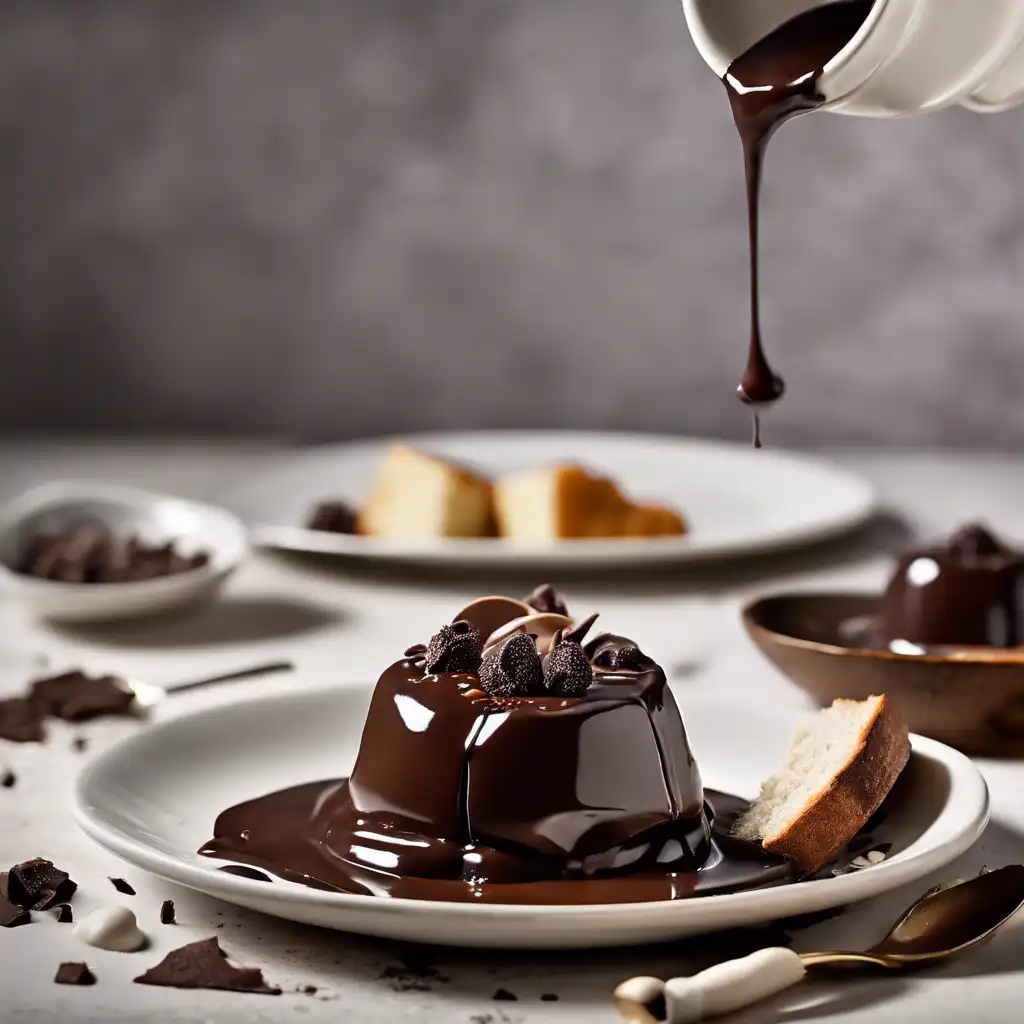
x=155, y=518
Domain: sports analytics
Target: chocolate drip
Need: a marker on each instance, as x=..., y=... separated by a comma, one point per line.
x=775, y=80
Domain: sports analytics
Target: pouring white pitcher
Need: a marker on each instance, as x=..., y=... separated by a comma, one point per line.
x=909, y=56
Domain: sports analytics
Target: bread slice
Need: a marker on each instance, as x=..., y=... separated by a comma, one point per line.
x=420, y=496
x=838, y=771
x=567, y=502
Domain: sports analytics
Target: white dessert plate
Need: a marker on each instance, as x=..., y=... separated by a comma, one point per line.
x=152, y=800
x=737, y=500
x=155, y=518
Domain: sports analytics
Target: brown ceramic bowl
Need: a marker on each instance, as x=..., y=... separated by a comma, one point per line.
x=971, y=698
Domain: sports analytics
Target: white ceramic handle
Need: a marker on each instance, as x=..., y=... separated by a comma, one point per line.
x=718, y=991
x=730, y=986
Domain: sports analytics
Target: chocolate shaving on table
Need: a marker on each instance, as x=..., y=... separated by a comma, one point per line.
x=21, y=721
x=77, y=697
x=333, y=517
x=502, y=995
x=64, y=914
x=167, y=912
x=8, y=780
x=78, y=744
x=38, y=885
x=11, y=916
x=546, y=598
x=204, y=964
x=74, y=974
x=123, y=886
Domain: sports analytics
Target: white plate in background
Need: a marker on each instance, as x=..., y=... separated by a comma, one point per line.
x=736, y=500
x=152, y=800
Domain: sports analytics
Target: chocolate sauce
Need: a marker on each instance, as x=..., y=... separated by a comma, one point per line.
x=285, y=840
x=968, y=592
x=775, y=80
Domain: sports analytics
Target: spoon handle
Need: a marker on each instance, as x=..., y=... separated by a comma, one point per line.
x=266, y=669
x=719, y=990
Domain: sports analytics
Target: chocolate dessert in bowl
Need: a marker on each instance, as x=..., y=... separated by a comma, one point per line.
x=516, y=758
x=945, y=640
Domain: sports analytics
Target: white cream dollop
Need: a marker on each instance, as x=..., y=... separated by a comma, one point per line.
x=113, y=928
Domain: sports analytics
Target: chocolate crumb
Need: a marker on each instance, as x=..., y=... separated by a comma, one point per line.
x=167, y=912
x=38, y=885
x=333, y=517
x=204, y=964
x=78, y=744
x=65, y=915
x=549, y=997
x=502, y=995
x=74, y=974
x=8, y=779
x=309, y=990
x=21, y=721
x=122, y=886
x=77, y=697
x=12, y=916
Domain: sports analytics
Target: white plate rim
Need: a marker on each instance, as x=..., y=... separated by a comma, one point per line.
x=968, y=804
x=859, y=504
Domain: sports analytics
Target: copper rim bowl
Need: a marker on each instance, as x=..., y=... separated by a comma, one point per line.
x=971, y=697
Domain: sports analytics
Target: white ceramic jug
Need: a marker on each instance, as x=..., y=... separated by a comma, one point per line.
x=909, y=57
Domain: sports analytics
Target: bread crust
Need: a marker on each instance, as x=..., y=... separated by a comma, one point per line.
x=843, y=808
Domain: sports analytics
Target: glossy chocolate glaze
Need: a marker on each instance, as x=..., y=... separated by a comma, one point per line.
x=967, y=592
x=775, y=80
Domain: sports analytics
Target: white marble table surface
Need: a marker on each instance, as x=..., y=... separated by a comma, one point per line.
x=341, y=624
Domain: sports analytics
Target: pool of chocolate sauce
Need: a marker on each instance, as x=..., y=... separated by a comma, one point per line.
x=282, y=834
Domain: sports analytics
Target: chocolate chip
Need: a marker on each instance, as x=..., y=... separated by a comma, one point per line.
x=204, y=964
x=167, y=912
x=454, y=648
x=122, y=886
x=11, y=916
x=567, y=669
x=38, y=885
x=513, y=668
x=502, y=995
x=64, y=914
x=333, y=517
x=8, y=780
x=77, y=697
x=546, y=599
x=74, y=974
x=21, y=721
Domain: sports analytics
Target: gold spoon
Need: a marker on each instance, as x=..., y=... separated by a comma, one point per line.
x=945, y=921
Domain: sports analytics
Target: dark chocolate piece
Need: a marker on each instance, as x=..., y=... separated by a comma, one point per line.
x=65, y=915
x=502, y=995
x=454, y=648
x=579, y=632
x=333, y=517
x=88, y=553
x=567, y=669
x=167, y=912
x=204, y=964
x=78, y=744
x=77, y=697
x=21, y=721
x=546, y=599
x=11, y=916
x=8, y=780
x=74, y=974
x=549, y=997
x=121, y=885
x=309, y=990
x=38, y=885
x=513, y=668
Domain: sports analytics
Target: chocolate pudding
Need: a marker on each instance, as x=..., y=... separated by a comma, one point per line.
x=968, y=592
x=775, y=80
x=510, y=761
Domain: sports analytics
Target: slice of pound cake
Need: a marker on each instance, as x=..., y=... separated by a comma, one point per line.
x=838, y=770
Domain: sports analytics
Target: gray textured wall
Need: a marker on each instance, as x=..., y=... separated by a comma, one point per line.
x=337, y=217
